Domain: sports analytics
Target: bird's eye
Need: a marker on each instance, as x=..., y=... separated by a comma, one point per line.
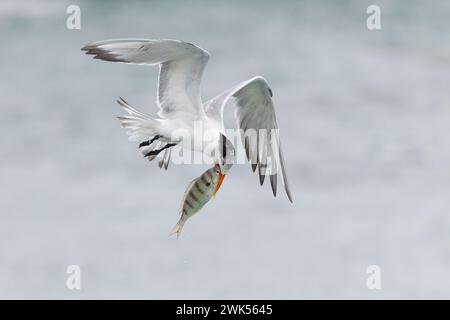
x=208, y=184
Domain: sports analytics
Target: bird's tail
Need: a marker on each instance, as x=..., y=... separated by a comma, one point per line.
x=139, y=125
x=177, y=229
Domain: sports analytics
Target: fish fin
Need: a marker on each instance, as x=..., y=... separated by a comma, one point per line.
x=177, y=229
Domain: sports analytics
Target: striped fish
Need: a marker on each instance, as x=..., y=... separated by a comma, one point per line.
x=197, y=194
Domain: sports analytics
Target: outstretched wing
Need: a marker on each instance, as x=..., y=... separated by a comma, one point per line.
x=255, y=116
x=181, y=68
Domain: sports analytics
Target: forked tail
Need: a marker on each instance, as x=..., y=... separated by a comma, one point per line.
x=139, y=125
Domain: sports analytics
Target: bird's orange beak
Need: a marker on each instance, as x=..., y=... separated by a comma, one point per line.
x=219, y=182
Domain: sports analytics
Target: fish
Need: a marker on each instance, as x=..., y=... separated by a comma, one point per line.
x=197, y=194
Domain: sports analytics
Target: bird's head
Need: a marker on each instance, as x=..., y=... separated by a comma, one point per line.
x=225, y=160
x=227, y=154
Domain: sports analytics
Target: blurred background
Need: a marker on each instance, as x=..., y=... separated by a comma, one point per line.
x=365, y=124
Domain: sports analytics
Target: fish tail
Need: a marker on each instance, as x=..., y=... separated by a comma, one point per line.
x=177, y=229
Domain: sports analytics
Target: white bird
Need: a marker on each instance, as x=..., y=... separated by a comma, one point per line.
x=180, y=105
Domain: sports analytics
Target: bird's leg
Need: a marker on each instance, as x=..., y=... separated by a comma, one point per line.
x=157, y=151
x=149, y=142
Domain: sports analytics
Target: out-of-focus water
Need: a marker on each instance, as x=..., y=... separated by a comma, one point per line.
x=364, y=118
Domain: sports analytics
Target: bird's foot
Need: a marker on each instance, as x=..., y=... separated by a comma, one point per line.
x=149, y=142
x=153, y=153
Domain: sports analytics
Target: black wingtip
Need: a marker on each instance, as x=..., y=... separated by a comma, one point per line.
x=261, y=179
x=289, y=196
x=101, y=54
x=273, y=184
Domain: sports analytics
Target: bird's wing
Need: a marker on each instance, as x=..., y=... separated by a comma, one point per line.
x=255, y=116
x=181, y=68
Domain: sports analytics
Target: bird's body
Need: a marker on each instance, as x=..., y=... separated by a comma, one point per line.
x=181, y=110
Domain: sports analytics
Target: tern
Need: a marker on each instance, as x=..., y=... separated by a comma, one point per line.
x=181, y=67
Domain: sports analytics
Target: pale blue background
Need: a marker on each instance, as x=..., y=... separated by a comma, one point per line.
x=365, y=123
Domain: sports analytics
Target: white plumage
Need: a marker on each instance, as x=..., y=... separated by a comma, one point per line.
x=181, y=68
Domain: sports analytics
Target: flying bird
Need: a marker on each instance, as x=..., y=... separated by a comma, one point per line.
x=181, y=67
